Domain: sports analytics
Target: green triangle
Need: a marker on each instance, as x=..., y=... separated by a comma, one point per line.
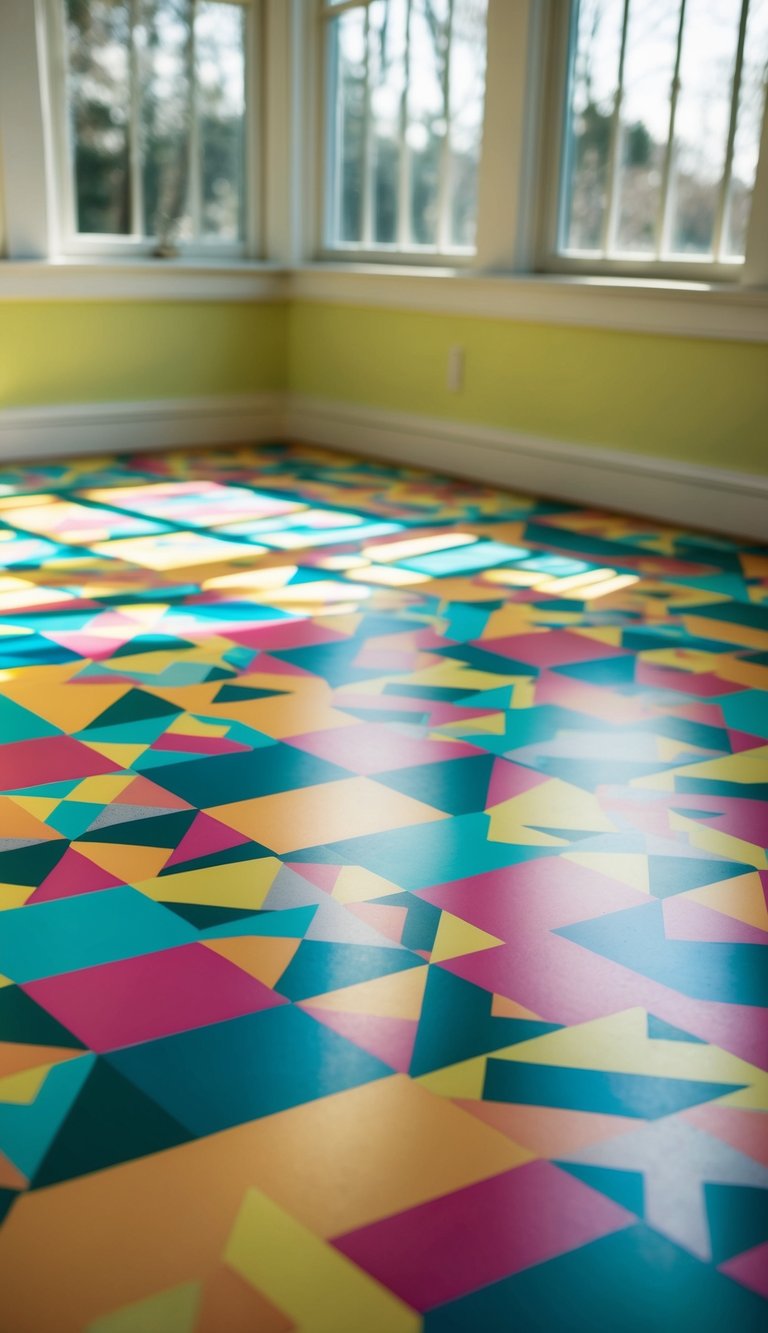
x=135, y=706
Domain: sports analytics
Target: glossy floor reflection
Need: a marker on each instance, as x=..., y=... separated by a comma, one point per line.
x=383, y=883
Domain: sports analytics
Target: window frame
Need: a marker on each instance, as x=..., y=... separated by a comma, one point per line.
x=68, y=242
x=549, y=258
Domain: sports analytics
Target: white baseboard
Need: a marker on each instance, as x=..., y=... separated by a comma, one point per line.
x=88, y=428
x=683, y=494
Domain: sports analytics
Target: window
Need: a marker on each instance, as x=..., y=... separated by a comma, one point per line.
x=404, y=98
x=153, y=131
x=663, y=118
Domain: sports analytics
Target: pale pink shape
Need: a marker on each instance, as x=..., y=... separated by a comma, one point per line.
x=750, y=1269
x=139, y=999
x=204, y=837
x=378, y=747
x=389, y=921
x=743, y=1130
x=688, y=920
x=453, y=1245
x=389, y=1039
x=320, y=874
x=687, y=682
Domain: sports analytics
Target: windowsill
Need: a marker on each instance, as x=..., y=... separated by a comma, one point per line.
x=90, y=278
x=654, y=306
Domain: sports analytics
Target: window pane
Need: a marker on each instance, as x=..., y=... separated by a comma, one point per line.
x=220, y=65
x=98, y=46
x=701, y=130
x=347, y=79
x=467, y=95
x=594, y=83
x=649, y=66
x=165, y=43
x=386, y=55
x=405, y=104
x=748, y=125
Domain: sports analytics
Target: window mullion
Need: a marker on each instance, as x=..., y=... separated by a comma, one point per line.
x=616, y=140
x=722, y=203
x=367, y=162
x=404, y=160
x=663, y=214
x=444, y=179
x=756, y=258
x=194, y=149
x=135, y=165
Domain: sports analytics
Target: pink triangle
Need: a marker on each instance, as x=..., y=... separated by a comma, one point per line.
x=389, y=921
x=204, y=837
x=74, y=874
x=321, y=875
x=389, y=1039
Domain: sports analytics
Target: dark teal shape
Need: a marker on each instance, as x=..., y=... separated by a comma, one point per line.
x=166, y=830
x=608, y=671
x=135, y=706
x=7, y=1199
x=636, y=1095
x=111, y=1121
x=229, y=1073
x=245, y=851
x=633, y=1280
x=668, y=875
x=738, y=1219
x=750, y=614
x=202, y=915
x=457, y=786
x=31, y=865
x=422, y=920
x=456, y=1024
x=658, y=1030
x=23, y=1020
x=483, y=659
x=624, y=1187
x=237, y=694
x=318, y=967
x=728, y=973
x=219, y=779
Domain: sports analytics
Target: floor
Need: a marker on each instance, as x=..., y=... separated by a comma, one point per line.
x=383, y=878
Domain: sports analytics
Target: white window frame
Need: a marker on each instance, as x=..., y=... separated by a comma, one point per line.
x=549, y=257
x=37, y=29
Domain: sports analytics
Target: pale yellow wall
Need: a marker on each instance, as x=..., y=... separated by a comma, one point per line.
x=75, y=352
x=682, y=398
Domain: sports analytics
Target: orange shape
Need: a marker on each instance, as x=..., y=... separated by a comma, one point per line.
x=231, y=1305
x=17, y=1056
x=128, y=862
x=325, y=813
x=10, y=1175
x=259, y=956
x=548, y=1131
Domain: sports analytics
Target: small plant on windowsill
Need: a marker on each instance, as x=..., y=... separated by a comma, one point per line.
x=167, y=230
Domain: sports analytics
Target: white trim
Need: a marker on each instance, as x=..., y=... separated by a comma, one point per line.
x=98, y=428
x=675, y=309
x=140, y=280
x=667, y=308
x=673, y=492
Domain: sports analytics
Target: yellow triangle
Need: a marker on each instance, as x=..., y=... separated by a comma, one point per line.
x=358, y=885
x=39, y=806
x=456, y=937
x=124, y=755
x=397, y=996
x=173, y=1311
x=242, y=884
x=23, y=1088
x=722, y=844
x=741, y=898
x=14, y=895
x=552, y=804
x=5, y=981
x=101, y=789
x=462, y=1080
x=125, y=861
x=627, y=867
x=258, y=955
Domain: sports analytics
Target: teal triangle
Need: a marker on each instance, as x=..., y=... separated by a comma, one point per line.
x=738, y=1219
x=134, y=706
x=19, y=724
x=678, y=874
x=624, y=1187
x=658, y=1030
x=27, y=1129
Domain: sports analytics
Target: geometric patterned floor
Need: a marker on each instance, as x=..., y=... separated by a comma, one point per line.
x=382, y=906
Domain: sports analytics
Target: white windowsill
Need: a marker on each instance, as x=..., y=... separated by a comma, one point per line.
x=676, y=309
